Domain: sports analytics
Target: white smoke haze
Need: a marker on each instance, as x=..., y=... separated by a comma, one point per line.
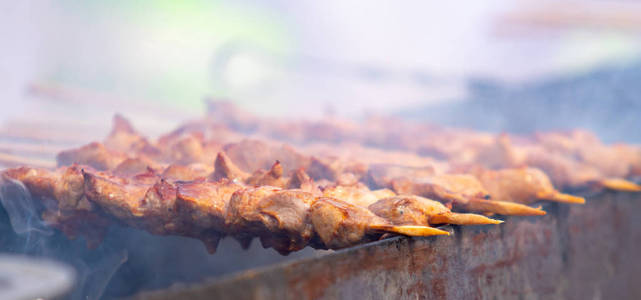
x=305, y=56
x=128, y=260
x=66, y=67
x=35, y=238
x=22, y=211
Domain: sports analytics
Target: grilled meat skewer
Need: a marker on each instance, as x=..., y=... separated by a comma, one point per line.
x=206, y=210
x=460, y=191
x=340, y=224
x=415, y=210
x=564, y=169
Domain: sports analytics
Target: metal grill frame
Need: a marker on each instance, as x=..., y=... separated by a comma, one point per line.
x=574, y=252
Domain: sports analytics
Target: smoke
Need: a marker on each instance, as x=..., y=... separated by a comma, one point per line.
x=128, y=260
x=604, y=101
x=21, y=209
x=94, y=276
x=35, y=238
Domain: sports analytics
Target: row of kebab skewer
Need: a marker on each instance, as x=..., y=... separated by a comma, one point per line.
x=343, y=184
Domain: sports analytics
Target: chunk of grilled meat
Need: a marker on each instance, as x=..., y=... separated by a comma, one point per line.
x=569, y=164
x=340, y=224
x=62, y=202
x=522, y=185
x=124, y=138
x=357, y=194
x=85, y=202
x=95, y=155
x=589, y=161
x=273, y=177
x=415, y=210
x=210, y=210
x=195, y=209
x=280, y=218
x=459, y=191
x=383, y=175
x=254, y=154
x=191, y=172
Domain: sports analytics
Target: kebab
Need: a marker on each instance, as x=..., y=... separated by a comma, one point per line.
x=458, y=191
x=565, y=170
x=522, y=185
x=146, y=189
x=209, y=210
x=416, y=210
x=447, y=188
x=335, y=170
x=575, y=159
x=60, y=201
x=277, y=216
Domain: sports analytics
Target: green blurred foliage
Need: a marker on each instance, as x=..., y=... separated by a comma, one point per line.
x=161, y=51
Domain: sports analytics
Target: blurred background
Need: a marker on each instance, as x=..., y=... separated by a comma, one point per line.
x=66, y=67
x=494, y=64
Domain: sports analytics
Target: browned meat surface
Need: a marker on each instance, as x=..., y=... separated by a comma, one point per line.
x=252, y=155
x=383, y=175
x=563, y=171
x=459, y=191
x=62, y=200
x=444, y=187
x=279, y=217
x=190, y=172
x=357, y=194
x=124, y=138
x=95, y=155
x=522, y=185
x=415, y=210
x=225, y=168
x=340, y=224
x=273, y=177
x=345, y=183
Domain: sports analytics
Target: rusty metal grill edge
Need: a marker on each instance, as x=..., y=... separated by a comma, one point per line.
x=574, y=252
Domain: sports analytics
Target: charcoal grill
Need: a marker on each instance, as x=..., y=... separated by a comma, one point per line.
x=574, y=252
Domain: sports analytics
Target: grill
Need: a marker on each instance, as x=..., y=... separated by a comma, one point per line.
x=571, y=253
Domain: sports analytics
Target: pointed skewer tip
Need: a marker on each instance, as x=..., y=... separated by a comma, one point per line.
x=411, y=230
x=563, y=198
x=621, y=185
